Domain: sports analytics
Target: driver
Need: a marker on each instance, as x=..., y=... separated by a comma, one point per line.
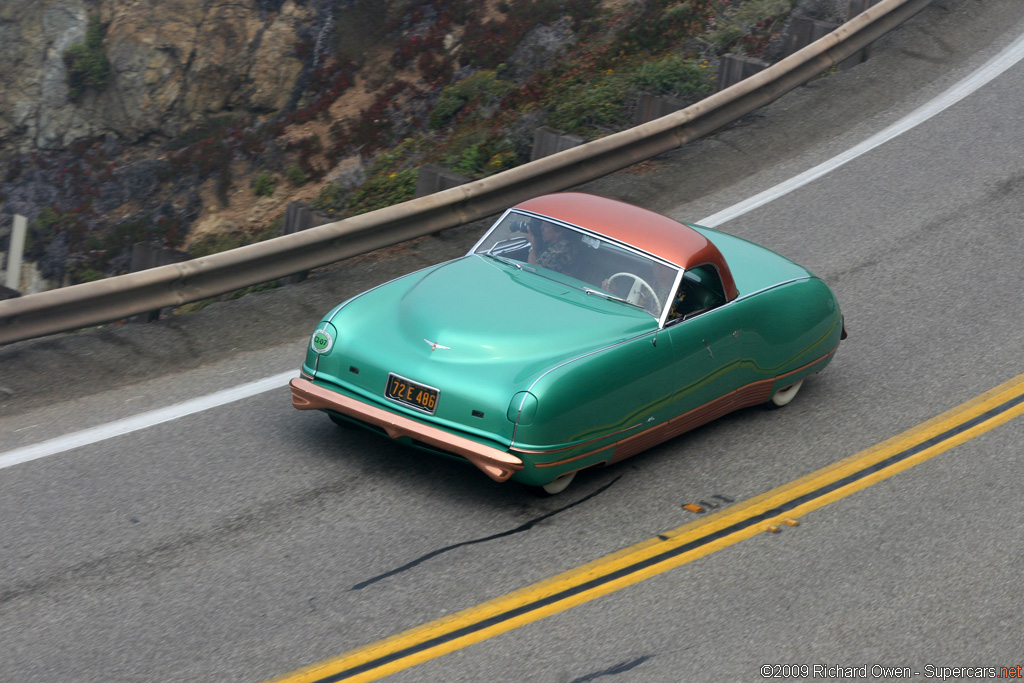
x=552, y=247
x=679, y=304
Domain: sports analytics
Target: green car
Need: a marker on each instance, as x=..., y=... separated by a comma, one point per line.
x=577, y=332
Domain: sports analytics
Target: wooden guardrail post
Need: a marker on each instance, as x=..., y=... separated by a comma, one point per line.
x=548, y=141
x=802, y=32
x=650, y=107
x=146, y=255
x=854, y=8
x=432, y=178
x=735, y=68
x=298, y=216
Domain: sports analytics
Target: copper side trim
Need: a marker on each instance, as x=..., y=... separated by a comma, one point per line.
x=496, y=464
x=540, y=465
x=804, y=367
x=749, y=395
x=575, y=445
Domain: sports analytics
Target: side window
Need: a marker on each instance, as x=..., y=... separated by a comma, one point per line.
x=700, y=290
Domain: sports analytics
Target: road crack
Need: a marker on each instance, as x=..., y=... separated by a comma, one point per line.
x=519, y=529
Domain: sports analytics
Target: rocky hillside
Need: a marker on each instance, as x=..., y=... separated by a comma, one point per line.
x=168, y=64
x=191, y=123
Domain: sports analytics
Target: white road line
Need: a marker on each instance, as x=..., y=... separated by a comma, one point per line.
x=142, y=421
x=992, y=69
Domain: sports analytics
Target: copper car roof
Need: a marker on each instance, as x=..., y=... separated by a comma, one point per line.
x=641, y=228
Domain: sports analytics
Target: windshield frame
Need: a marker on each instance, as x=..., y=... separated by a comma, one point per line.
x=661, y=318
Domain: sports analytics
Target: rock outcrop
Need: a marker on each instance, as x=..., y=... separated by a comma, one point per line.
x=171, y=62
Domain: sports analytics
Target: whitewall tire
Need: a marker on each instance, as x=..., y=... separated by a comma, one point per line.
x=785, y=395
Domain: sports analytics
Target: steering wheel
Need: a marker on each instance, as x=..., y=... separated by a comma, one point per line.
x=639, y=284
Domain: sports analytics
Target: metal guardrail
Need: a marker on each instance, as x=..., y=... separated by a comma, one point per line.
x=104, y=301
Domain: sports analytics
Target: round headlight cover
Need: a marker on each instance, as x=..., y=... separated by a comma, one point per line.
x=323, y=339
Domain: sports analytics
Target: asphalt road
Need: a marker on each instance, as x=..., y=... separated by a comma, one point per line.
x=245, y=541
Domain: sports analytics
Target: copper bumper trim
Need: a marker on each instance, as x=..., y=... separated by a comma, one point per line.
x=496, y=464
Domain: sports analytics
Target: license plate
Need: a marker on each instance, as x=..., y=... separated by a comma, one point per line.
x=411, y=393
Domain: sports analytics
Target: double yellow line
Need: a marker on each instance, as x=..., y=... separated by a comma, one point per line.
x=672, y=548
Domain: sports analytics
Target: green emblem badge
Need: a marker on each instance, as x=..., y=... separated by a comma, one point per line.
x=322, y=341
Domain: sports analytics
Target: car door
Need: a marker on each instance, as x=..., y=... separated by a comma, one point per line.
x=705, y=333
x=706, y=353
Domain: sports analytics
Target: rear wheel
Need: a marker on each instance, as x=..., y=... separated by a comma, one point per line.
x=785, y=395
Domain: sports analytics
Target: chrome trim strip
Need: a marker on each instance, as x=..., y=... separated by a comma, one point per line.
x=667, y=306
x=741, y=297
x=770, y=287
x=472, y=250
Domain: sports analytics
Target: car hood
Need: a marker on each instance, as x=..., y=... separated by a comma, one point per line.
x=485, y=313
x=476, y=329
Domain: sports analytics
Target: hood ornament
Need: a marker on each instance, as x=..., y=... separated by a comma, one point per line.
x=434, y=345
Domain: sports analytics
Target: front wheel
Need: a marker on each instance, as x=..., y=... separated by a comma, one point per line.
x=785, y=395
x=554, y=487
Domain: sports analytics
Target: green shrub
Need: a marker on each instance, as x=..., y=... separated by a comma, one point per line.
x=85, y=274
x=501, y=161
x=264, y=184
x=41, y=232
x=590, y=105
x=606, y=101
x=471, y=161
x=331, y=198
x=478, y=155
x=383, y=189
x=674, y=75
x=295, y=175
x=87, y=66
x=482, y=89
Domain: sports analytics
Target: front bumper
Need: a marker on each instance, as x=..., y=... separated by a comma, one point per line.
x=495, y=463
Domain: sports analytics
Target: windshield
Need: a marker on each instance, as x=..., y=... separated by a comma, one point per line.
x=590, y=262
